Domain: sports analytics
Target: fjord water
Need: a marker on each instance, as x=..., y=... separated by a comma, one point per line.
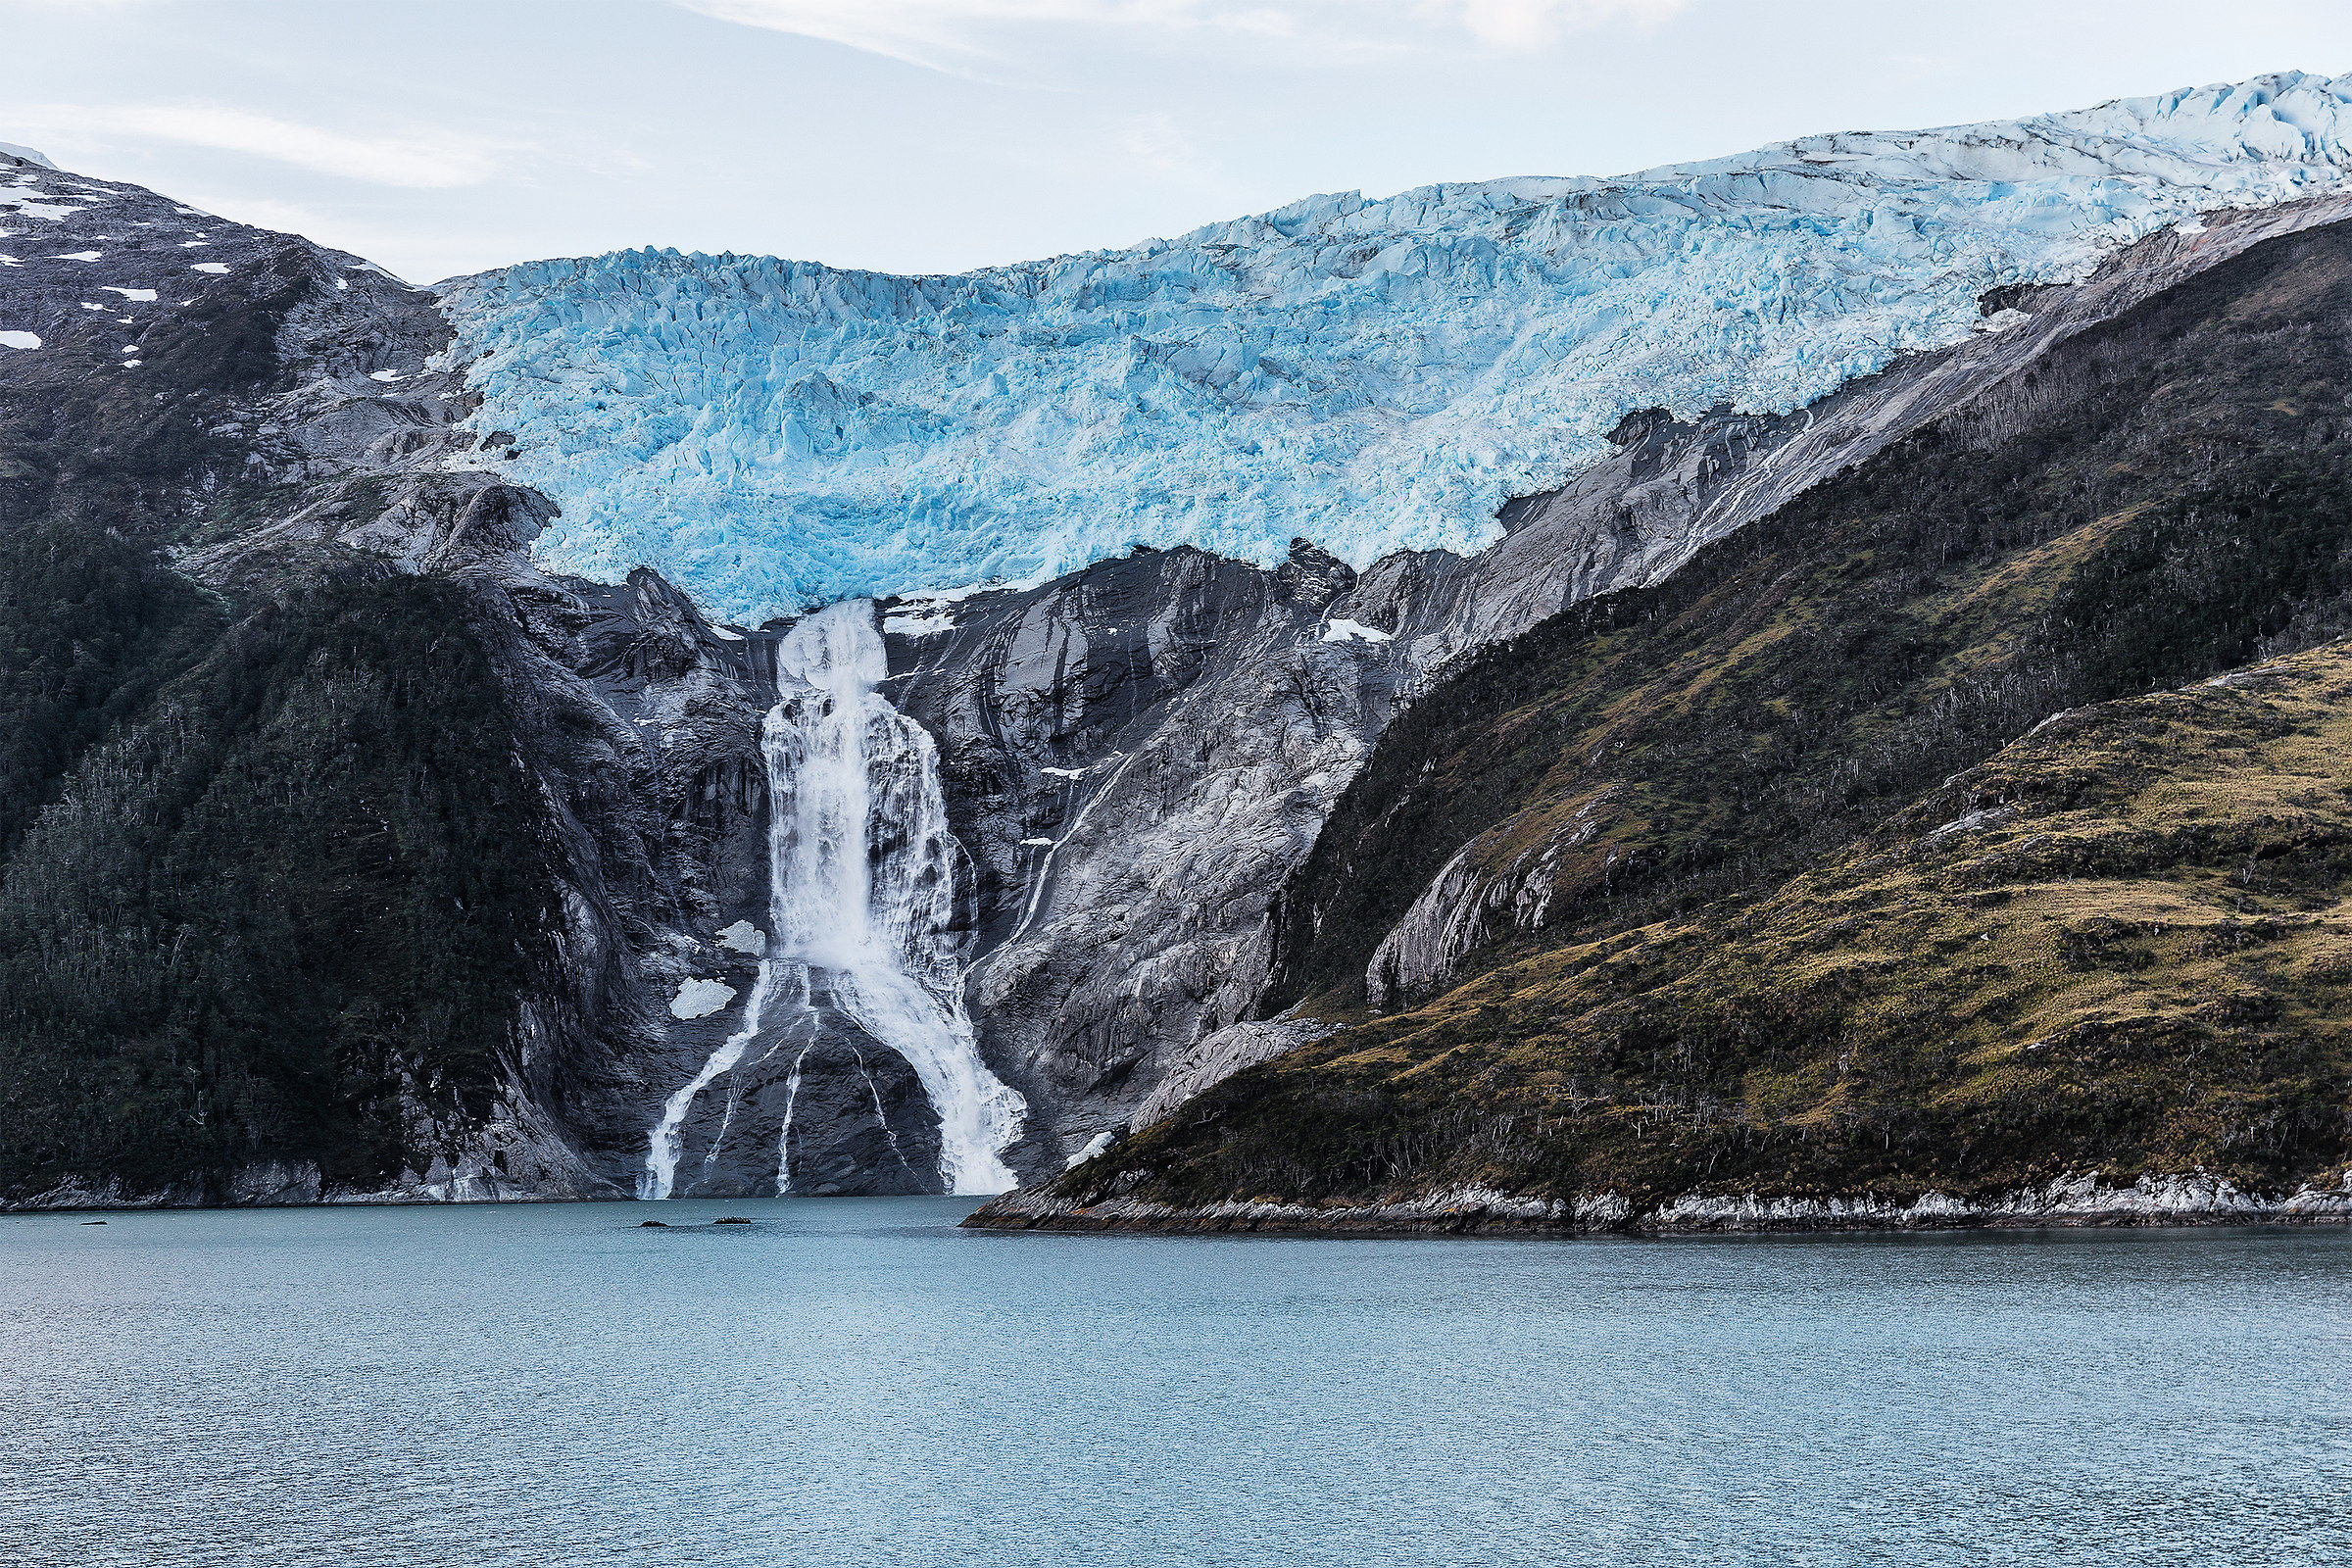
x=857, y=1382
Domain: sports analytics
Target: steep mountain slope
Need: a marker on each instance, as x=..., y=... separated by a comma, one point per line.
x=346, y=853
x=263, y=904
x=1729, y=934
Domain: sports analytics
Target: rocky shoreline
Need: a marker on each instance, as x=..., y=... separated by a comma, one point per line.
x=2074, y=1200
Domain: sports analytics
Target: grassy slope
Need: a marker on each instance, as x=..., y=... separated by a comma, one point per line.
x=1734, y=987
x=2141, y=961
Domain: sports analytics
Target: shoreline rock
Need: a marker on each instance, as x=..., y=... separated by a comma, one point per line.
x=2073, y=1201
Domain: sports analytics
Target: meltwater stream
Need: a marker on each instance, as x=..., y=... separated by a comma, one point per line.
x=862, y=892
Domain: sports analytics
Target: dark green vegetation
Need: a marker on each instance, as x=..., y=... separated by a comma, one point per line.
x=1755, y=971
x=271, y=878
x=302, y=888
x=91, y=627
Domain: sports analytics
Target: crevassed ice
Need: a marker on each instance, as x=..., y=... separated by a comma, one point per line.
x=1372, y=375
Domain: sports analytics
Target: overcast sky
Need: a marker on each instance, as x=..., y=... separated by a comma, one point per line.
x=445, y=137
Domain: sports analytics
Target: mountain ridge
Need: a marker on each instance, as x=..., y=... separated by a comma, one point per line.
x=1134, y=757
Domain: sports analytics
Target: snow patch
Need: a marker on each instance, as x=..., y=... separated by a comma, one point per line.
x=932, y=611
x=19, y=340
x=1095, y=1146
x=47, y=212
x=1355, y=631
x=140, y=296
x=80, y=255
x=899, y=626
x=215, y=267
x=25, y=153
x=372, y=375
x=700, y=999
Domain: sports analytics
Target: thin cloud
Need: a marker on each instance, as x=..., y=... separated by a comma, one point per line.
x=983, y=37
x=1535, y=23
x=412, y=163
x=1156, y=144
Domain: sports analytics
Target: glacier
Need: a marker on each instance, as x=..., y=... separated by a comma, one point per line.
x=1371, y=376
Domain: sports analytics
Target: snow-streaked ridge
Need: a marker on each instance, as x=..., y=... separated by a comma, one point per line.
x=1370, y=374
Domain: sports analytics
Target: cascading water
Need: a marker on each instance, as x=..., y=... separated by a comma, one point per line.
x=792, y=1096
x=861, y=891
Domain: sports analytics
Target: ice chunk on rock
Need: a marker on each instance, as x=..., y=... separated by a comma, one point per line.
x=744, y=937
x=1094, y=1146
x=700, y=999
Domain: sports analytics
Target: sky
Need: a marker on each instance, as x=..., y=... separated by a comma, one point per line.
x=438, y=138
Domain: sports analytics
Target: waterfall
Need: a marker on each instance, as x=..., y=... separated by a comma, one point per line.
x=862, y=890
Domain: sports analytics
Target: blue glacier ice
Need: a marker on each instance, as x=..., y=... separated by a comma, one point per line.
x=1369, y=375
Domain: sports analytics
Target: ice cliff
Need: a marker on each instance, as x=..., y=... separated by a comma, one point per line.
x=1368, y=374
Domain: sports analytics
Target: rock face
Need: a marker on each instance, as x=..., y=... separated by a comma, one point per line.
x=1135, y=757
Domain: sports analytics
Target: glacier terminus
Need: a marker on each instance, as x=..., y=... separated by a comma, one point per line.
x=1371, y=376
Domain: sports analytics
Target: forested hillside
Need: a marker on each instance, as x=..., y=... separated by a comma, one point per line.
x=270, y=870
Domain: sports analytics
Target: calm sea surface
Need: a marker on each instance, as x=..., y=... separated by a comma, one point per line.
x=855, y=1381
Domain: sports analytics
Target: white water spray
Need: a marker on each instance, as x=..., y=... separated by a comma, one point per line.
x=861, y=891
